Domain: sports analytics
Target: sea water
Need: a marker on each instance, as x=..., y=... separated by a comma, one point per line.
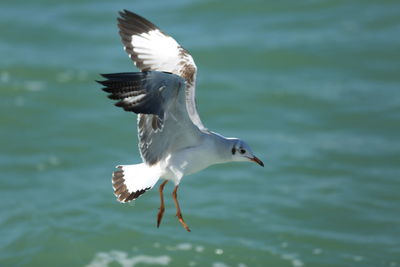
x=312, y=86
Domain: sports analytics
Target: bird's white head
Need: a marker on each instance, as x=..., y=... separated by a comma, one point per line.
x=242, y=152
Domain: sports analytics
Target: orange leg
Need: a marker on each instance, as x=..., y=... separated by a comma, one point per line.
x=178, y=210
x=161, y=211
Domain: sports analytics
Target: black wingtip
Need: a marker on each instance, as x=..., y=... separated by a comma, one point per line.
x=129, y=12
x=119, y=104
x=107, y=89
x=133, y=18
x=123, y=13
x=101, y=82
x=111, y=95
x=106, y=75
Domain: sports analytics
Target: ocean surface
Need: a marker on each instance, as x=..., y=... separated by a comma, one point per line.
x=312, y=86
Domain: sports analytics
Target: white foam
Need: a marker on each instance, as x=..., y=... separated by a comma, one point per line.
x=317, y=251
x=293, y=259
x=181, y=246
x=103, y=259
x=184, y=246
x=34, y=86
x=219, y=251
x=199, y=249
x=297, y=263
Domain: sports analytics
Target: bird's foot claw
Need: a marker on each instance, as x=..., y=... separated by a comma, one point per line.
x=180, y=218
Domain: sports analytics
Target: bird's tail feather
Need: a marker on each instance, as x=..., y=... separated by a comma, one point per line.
x=131, y=181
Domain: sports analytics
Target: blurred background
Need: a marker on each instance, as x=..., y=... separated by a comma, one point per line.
x=313, y=86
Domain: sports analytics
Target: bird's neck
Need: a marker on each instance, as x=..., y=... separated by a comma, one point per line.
x=222, y=148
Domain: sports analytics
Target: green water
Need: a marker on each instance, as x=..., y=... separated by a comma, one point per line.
x=312, y=86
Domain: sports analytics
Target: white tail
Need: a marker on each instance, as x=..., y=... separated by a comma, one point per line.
x=131, y=181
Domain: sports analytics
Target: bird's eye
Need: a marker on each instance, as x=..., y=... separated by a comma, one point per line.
x=242, y=151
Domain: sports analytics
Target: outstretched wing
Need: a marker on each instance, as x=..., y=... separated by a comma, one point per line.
x=151, y=49
x=164, y=125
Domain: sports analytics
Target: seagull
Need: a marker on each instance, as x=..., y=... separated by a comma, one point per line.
x=173, y=141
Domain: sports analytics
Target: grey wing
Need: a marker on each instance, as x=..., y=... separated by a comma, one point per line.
x=159, y=99
x=152, y=49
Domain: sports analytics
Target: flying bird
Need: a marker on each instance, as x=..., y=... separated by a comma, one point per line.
x=173, y=141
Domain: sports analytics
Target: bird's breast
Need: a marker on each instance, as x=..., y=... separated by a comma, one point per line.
x=187, y=161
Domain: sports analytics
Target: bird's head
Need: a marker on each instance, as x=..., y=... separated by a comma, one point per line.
x=242, y=152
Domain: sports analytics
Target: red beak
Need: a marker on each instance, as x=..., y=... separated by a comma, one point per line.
x=257, y=160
